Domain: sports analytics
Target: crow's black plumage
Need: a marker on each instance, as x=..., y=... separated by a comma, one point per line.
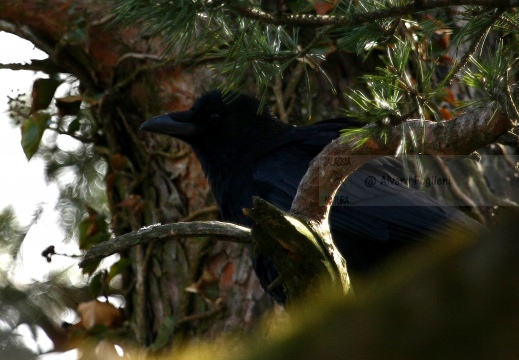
x=244, y=152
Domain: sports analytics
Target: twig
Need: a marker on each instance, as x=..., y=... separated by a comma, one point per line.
x=175, y=156
x=510, y=23
x=35, y=65
x=295, y=78
x=158, y=64
x=200, y=316
x=318, y=37
x=511, y=101
x=472, y=49
x=278, y=93
x=26, y=33
x=508, y=159
x=457, y=191
x=133, y=55
x=103, y=20
x=82, y=139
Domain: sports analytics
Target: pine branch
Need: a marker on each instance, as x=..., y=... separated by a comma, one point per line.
x=460, y=136
x=363, y=18
x=455, y=71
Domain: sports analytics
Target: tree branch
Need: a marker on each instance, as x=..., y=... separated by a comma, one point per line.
x=220, y=229
x=461, y=136
x=46, y=66
x=362, y=17
x=302, y=252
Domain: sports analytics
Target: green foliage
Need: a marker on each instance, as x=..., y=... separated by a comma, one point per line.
x=61, y=132
x=388, y=88
x=478, y=24
x=11, y=236
x=32, y=132
x=490, y=75
x=99, y=282
x=416, y=77
x=238, y=46
x=255, y=43
x=268, y=44
x=76, y=168
x=93, y=230
x=177, y=18
x=361, y=39
x=79, y=174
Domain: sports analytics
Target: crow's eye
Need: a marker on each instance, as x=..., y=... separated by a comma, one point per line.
x=215, y=117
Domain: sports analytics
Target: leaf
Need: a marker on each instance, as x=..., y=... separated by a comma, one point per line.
x=73, y=126
x=118, y=268
x=69, y=105
x=118, y=162
x=93, y=230
x=450, y=97
x=32, y=131
x=322, y=7
x=42, y=93
x=446, y=114
x=130, y=201
x=95, y=313
x=89, y=269
x=206, y=286
x=95, y=284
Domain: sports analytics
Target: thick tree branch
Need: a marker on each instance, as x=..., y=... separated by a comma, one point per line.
x=461, y=136
x=220, y=229
x=302, y=252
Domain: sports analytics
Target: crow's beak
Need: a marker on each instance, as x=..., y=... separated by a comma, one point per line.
x=174, y=124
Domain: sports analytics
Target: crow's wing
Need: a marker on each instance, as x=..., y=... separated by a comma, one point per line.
x=378, y=212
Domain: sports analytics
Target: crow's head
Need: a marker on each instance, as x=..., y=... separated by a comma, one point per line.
x=214, y=115
x=221, y=127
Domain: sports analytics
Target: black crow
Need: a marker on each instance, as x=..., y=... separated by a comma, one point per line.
x=246, y=152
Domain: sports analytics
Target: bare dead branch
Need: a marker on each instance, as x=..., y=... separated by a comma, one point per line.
x=219, y=229
x=34, y=65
